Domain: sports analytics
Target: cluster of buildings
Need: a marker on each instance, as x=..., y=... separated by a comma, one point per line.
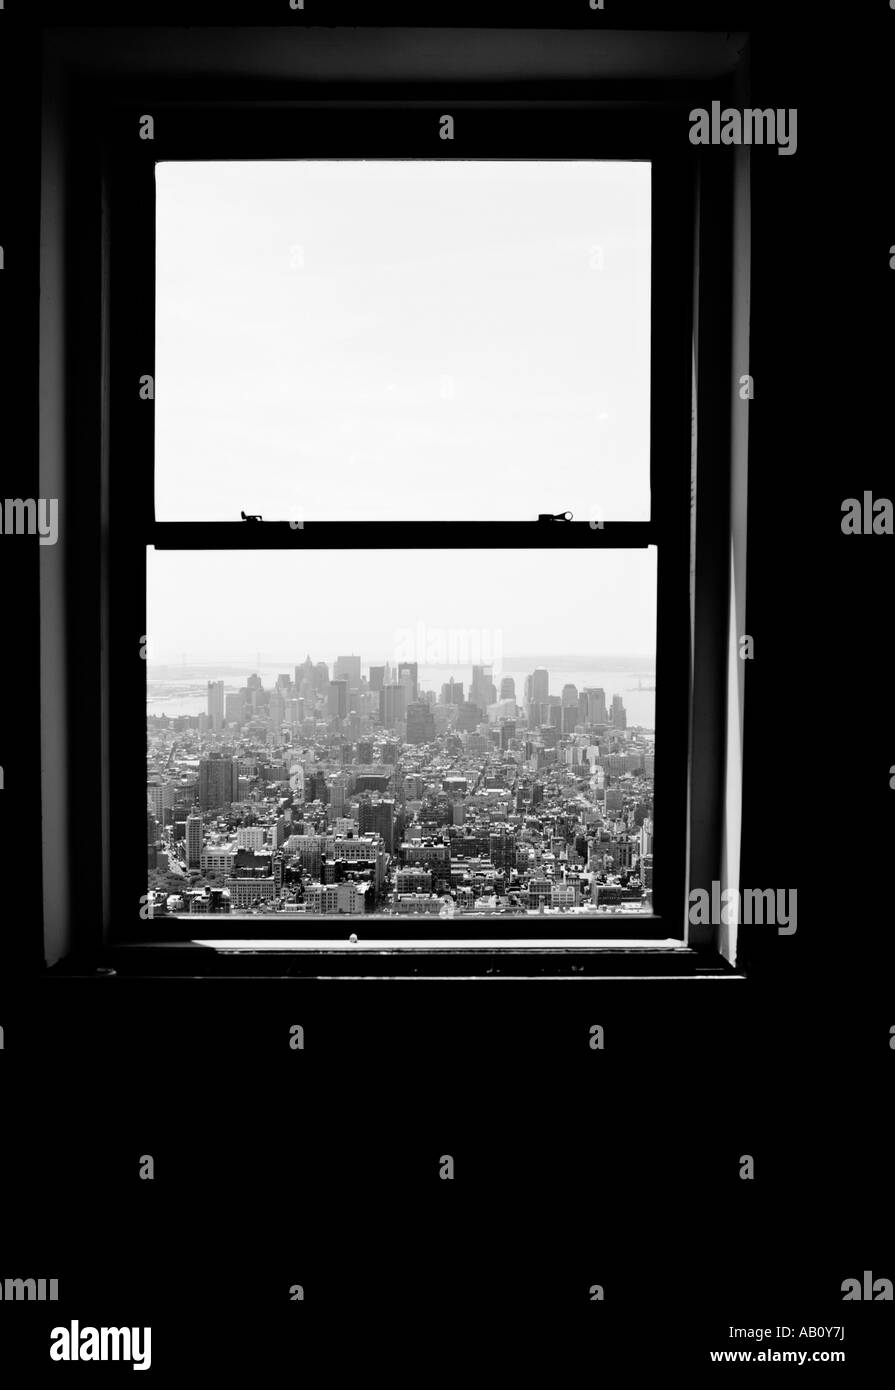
x=349, y=791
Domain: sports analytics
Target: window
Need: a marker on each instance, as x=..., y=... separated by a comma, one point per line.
x=455, y=754
x=413, y=340
x=389, y=684
x=157, y=509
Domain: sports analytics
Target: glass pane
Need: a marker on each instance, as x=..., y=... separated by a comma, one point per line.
x=435, y=733
x=396, y=340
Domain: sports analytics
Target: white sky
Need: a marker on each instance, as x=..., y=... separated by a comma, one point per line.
x=221, y=605
x=402, y=339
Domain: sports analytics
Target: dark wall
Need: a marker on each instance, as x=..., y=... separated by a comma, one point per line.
x=574, y=1166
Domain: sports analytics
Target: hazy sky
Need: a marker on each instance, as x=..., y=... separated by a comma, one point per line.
x=218, y=606
x=402, y=339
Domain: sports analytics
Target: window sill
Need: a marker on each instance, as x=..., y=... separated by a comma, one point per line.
x=407, y=960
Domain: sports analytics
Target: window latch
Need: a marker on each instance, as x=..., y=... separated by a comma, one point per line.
x=250, y=518
x=559, y=516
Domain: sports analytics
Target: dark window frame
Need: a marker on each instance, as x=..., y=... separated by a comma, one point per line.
x=120, y=352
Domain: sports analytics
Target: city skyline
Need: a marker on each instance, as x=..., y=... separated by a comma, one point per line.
x=486, y=686
x=335, y=790
x=431, y=680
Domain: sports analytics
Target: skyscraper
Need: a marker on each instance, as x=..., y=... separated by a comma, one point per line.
x=502, y=848
x=304, y=676
x=392, y=704
x=408, y=676
x=216, y=705
x=378, y=814
x=347, y=668
x=507, y=688
x=276, y=710
x=161, y=797
x=592, y=705
x=618, y=714
x=540, y=685
x=338, y=791
x=420, y=723
x=234, y=705
x=218, y=782
x=469, y=716
x=482, y=690
x=193, y=840
x=337, y=699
